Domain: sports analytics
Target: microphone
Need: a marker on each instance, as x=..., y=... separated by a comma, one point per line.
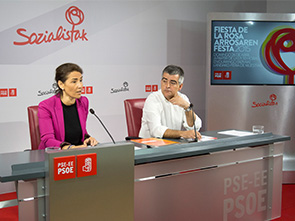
x=93, y=112
x=195, y=130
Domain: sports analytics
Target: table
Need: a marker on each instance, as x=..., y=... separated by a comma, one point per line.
x=236, y=177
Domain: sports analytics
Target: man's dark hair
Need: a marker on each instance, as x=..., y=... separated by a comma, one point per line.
x=174, y=70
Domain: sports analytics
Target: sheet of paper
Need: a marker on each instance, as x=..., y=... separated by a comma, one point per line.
x=236, y=133
x=155, y=142
x=206, y=138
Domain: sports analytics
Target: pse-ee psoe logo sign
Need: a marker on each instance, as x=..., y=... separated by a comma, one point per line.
x=87, y=90
x=151, y=88
x=70, y=167
x=8, y=92
x=222, y=75
x=280, y=40
x=74, y=17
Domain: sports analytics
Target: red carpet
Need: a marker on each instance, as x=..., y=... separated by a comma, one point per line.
x=288, y=205
x=9, y=213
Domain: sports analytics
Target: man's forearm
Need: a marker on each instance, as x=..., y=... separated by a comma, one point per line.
x=189, y=118
x=176, y=134
x=172, y=134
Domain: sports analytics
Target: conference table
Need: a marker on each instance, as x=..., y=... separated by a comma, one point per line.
x=231, y=175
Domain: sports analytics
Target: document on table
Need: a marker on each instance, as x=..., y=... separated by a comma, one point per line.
x=236, y=133
x=206, y=138
x=154, y=142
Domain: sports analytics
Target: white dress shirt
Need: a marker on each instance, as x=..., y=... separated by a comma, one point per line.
x=159, y=115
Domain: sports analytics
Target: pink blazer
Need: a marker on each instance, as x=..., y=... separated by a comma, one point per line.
x=51, y=120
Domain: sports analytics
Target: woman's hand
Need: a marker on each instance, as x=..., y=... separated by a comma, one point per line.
x=68, y=147
x=90, y=141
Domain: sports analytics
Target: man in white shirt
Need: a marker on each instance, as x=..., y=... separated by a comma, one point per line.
x=167, y=113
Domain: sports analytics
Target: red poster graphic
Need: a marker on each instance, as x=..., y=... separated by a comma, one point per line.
x=226, y=75
x=3, y=92
x=89, y=90
x=217, y=75
x=222, y=75
x=155, y=87
x=86, y=165
x=12, y=92
x=74, y=17
x=64, y=167
x=148, y=88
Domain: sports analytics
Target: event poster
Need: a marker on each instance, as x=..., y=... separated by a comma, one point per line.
x=252, y=53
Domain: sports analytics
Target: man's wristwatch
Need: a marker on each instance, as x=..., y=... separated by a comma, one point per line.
x=189, y=107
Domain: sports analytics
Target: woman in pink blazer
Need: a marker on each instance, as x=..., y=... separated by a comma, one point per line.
x=62, y=117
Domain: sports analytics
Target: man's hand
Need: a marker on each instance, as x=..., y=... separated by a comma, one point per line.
x=190, y=134
x=178, y=100
x=176, y=134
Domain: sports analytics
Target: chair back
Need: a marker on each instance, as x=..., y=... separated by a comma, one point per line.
x=34, y=127
x=133, y=111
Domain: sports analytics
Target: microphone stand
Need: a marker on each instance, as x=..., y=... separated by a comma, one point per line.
x=92, y=111
x=195, y=130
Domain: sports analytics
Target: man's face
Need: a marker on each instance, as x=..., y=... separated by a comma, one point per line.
x=170, y=85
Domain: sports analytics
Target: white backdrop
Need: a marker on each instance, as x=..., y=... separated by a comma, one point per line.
x=122, y=46
x=119, y=58
x=128, y=41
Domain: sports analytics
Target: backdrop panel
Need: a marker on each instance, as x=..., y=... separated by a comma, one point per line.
x=122, y=47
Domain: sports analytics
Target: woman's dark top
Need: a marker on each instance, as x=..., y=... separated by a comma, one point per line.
x=73, y=131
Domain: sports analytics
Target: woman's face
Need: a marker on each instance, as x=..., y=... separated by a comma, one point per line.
x=72, y=87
